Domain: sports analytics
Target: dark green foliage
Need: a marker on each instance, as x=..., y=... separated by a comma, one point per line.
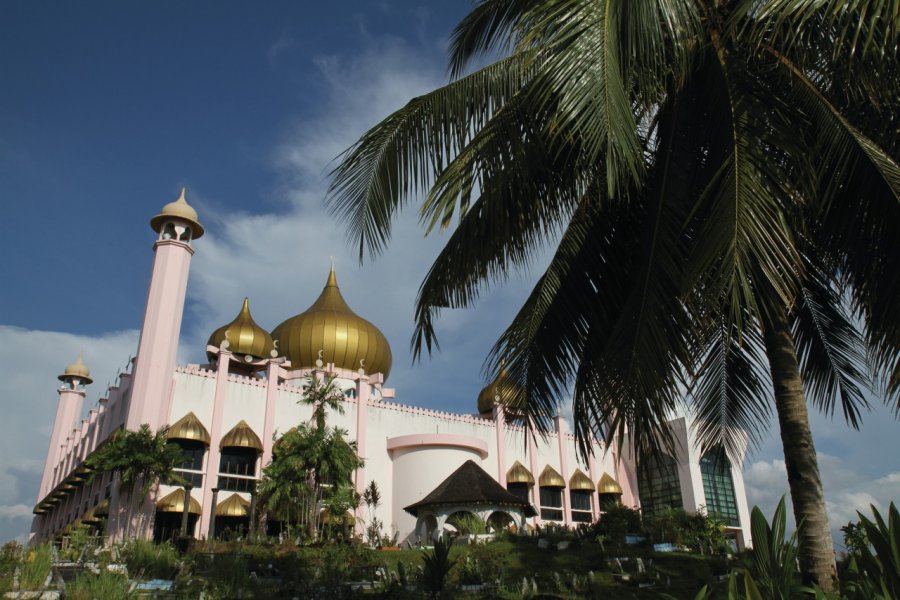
x=854, y=537
x=874, y=570
x=138, y=457
x=437, y=564
x=147, y=560
x=773, y=559
x=102, y=586
x=617, y=521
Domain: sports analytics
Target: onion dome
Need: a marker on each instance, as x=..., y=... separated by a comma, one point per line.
x=189, y=428
x=580, y=481
x=241, y=436
x=608, y=485
x=233, y=506
x=180, y=210
x=551, y=478
x=342, y=337
x=174, y=503
x=244, y=336
x=77, y=370
x=500, y=391
x=519, y=474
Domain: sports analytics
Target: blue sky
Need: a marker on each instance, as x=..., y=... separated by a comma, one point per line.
x=108, y=108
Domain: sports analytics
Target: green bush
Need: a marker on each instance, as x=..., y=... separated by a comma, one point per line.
x=617, y=521
x=35, y=568
x=146, y=560
x=103, y=586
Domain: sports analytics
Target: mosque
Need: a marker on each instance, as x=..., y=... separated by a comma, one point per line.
x=429, y=465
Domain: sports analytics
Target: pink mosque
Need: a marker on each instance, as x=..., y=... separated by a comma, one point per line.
x=227, y=414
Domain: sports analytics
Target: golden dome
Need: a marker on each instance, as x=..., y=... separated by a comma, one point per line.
x=174, y=503
x=178, y=209
x=580, y=481
x=345, y=339
x=245, y=337
x=189, y=428
x=519, y=474
x=500, y=391
x=233, y=506
x=77, y=370
x=241, y=436
x=551, y=478
x=608, y=485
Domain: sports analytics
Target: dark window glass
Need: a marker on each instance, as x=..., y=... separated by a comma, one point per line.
x=551, y=502
x=236, y=484
x=519, y=490
x=581, y=499
x=659, y=485
x=238, y=461
x=195, y=479
x=193, y=454
x=719, y=487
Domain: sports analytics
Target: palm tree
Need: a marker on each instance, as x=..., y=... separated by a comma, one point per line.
x=322, y=395
x=139, y=458
x=720, y=179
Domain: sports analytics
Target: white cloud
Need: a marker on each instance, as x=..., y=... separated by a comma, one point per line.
x=848, y=489
x=15, y=512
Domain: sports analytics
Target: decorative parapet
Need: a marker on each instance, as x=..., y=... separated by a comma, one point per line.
x=435, y=414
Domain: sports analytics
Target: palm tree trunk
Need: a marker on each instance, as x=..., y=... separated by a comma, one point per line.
x=817, y=563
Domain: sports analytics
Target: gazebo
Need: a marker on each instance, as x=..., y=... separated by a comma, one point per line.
x=469, y=489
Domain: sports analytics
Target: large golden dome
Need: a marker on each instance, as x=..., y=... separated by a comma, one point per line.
x=500, y=391
x=345, y=338
x=245, y=337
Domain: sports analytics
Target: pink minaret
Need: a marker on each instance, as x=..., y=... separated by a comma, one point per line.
x=176, y=225
x=68, y=410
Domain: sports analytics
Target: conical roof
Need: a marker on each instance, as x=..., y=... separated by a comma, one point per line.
x=178, y=209
x=77, y=370
x=470, y=484
x=174, y=503
x=244, y=336
x=580, y=481
x=241, y=436
x=190, y=428
x=233, y=506
x=550, y=477
x=343, y=337
x=608, y=485
x=519, y=474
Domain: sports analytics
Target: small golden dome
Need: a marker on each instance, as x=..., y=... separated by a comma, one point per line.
x=77, y=370
x=608, y=485
x=551, y=478
x=519, y=474
x=233, y=506
x=178, y=209
x=174, y=503
x=189, y=428
x=580, y=481
x=241, y=436
x=245, y=337
x=500, y=391
x=345, y=339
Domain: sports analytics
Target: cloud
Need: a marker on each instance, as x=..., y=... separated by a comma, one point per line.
x=277, y=48
x=847, y=490
x=15, y=512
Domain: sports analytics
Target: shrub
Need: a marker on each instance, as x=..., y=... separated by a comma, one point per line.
x=436, y=566
x=104, y=586
x=617, y=521
x=35, y=568
x=148, y=560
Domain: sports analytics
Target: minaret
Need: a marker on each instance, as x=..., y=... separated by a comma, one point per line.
x=177, y=226
x=68, y=410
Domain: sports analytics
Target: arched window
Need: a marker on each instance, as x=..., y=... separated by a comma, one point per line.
x=659, y=485
x=718, y=487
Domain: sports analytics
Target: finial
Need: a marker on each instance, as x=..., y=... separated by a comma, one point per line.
x=245, y=309
x=332, y=278
x=181, y=197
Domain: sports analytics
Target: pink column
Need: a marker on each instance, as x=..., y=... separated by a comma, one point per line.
x=500, y=426
x=67, y=410
x=211, y=474
x=362, y=409
x=155, y=361
x=564, y=465
x=592, y=473
x=272, y=379
x=532, y=465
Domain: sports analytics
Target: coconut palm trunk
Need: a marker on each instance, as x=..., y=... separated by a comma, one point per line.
x=807, y=495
